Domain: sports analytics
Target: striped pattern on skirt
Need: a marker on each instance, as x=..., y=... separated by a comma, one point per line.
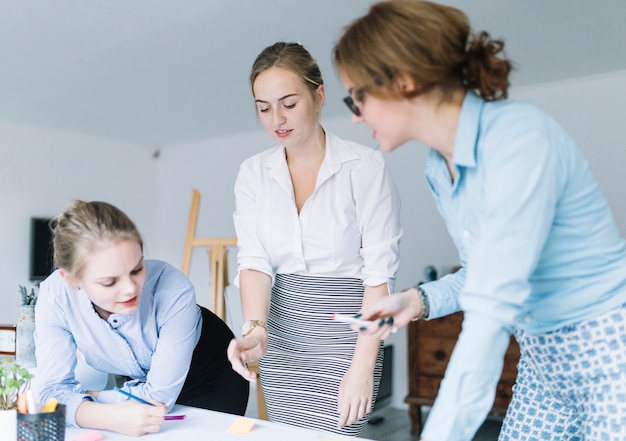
x=309, y=353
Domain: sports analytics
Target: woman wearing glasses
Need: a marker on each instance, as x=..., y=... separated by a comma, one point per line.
x=541, y=254
x=317, y=221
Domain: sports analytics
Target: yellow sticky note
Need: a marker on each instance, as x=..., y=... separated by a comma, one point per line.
x=242, y=426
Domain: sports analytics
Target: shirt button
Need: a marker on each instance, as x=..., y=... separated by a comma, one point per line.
x=528, y=319
x=467, y=431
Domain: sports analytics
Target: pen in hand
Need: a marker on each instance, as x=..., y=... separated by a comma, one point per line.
x=134, y=397
x=141, y=400
x=363, y=323
x=349, y=319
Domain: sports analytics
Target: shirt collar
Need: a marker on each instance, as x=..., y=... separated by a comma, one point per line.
x=467, y=131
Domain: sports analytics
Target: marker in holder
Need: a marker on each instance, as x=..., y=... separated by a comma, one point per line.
x=43, y=426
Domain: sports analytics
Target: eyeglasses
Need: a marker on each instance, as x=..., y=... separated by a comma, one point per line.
x=359, y=94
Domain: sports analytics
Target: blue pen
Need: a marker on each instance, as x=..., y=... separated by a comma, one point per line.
x=129, y=395
x=141, y=400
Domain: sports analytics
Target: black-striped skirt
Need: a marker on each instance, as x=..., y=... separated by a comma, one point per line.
x=309, y=353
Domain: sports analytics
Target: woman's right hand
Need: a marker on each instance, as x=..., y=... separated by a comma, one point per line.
x=127, y=417
x=401, y=307
x=136, y=419
x=246, y=349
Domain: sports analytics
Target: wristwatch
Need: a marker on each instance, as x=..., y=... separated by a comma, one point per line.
x=248, y=326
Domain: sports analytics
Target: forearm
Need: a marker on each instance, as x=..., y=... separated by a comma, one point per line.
x=92, y=415
x=255, y=288
x=467, y=391
x=367, y=346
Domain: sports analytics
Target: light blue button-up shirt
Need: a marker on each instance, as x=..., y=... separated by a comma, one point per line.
x=152, y=345
x=537, y=242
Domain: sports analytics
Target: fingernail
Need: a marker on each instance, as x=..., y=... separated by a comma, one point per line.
x=390, y=320
x=362, y=328
x=381, y=322
x=357, y=315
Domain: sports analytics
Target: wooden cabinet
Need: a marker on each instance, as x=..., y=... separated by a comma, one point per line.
x=430, y=345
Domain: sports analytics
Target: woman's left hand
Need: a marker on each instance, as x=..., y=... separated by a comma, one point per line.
x=247, y=349
x=355, y=395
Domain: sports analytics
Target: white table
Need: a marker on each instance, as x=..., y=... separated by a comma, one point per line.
x=203, y=425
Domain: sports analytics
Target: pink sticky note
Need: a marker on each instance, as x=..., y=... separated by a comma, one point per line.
x=90, y=436
x=242, y=426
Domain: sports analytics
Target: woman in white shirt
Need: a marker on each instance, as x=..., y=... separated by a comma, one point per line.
x=317, y=221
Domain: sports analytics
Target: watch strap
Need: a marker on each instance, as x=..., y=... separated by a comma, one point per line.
x=250, y=325
x=425, y=304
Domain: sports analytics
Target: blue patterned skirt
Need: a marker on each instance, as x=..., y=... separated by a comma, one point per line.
x=571, y=383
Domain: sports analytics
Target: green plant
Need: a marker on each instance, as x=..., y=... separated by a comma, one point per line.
x=14, y=380
x=28, y=298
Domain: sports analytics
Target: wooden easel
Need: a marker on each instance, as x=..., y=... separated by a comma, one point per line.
x=218, y=269
x=218, y=262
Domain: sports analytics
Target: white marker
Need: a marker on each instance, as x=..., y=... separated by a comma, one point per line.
x=31, y=404
x=350, y=319
x=355, y=321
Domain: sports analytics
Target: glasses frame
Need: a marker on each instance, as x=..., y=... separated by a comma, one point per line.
x=359, y=95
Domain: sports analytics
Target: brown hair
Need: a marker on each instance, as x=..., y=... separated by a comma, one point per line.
x=85, y=226
x=290, y=56
x=432, y=43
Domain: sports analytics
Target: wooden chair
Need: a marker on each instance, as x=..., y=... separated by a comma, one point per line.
x=218, y=269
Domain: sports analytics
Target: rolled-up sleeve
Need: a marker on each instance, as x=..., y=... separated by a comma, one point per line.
x=251, y=253
x=378, y=214
x=443, y=294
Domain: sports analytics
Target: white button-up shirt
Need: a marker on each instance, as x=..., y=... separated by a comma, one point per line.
x=349, y=226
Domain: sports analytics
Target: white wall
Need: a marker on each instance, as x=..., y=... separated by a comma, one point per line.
x=41, y=171
x=210, y=166
x=592, y=110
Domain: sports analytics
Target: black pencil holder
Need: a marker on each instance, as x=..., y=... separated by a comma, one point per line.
x=45, y=426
